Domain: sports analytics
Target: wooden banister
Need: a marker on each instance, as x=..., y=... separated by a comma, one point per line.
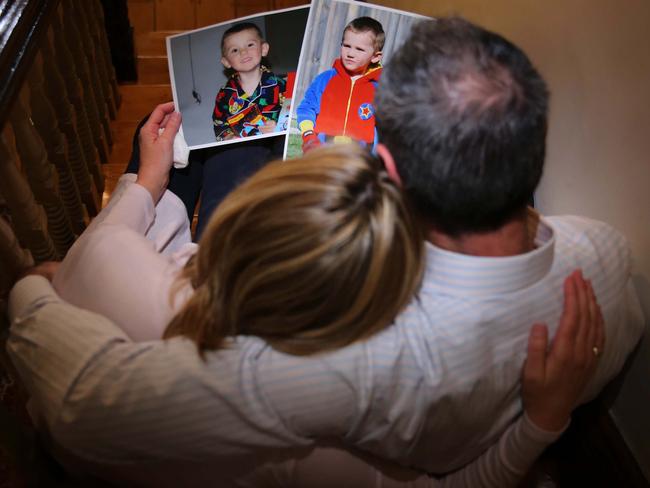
x=57, y=96
x=24, y=23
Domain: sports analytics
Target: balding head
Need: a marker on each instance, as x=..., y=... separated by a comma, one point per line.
x=463, y=112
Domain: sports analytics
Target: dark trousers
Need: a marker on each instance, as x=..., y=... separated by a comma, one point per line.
x=213, y=172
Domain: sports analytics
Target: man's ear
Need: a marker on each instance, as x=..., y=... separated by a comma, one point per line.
x=389, y=163
x=376, y=57
x=225, y=62
x=265, y=48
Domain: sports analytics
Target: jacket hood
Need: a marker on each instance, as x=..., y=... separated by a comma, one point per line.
x=371, y=75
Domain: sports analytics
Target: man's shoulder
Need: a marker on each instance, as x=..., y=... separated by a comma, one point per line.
x=604, y=256
x=600, y=251
x=573, y=227
x=591, y=242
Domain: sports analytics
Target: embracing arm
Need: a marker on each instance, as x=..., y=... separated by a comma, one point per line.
x=103, y=397
x=74, y=363
x=552, y=383
x=553, y=380
x=503, y=465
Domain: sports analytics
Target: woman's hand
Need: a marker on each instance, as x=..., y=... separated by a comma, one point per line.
x=157, y=149
x=553, y=381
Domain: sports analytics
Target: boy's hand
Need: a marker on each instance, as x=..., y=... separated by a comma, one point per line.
x=157, y=149
x=309, y=141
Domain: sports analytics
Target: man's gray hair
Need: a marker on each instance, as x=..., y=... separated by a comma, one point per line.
x=463, y=111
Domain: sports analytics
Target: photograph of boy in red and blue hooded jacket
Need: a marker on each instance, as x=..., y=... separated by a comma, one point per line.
x=337, y=106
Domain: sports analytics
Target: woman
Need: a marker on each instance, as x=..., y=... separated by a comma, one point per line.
x=308, y=249
x=304, y=255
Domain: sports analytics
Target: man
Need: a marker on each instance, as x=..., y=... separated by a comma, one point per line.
x=462, y=116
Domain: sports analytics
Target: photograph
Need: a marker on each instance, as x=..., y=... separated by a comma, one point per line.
x=233, y=81
x=345, y=47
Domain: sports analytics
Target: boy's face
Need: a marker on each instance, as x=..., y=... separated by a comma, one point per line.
x=243, y=51
x=358, y=51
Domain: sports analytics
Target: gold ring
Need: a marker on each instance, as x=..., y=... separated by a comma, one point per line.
x=596, y=351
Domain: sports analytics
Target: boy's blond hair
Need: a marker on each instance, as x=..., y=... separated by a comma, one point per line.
x=368, y=24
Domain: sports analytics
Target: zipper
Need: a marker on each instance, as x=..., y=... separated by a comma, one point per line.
x=347, y=110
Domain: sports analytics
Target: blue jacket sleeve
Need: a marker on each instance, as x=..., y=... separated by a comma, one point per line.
x=309, y=107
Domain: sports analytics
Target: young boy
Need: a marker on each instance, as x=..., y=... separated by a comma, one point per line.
x=251, y=100
x=338, y=104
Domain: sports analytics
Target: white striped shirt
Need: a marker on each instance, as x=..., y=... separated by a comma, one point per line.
x=434, y=390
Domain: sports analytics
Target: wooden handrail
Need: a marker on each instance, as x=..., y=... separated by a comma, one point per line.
x=50, y=178
x=22, y=25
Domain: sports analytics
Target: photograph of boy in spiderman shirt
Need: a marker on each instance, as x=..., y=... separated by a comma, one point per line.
x=233, y=81
x=251, y=100
x=337, y=106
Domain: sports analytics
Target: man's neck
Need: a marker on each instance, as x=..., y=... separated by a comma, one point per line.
x=511, y=239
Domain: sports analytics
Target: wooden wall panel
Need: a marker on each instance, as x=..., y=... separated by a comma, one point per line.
x=175, y=15
x=250, y=7
x=214, y=11
x=278, y=4
x=141, y=15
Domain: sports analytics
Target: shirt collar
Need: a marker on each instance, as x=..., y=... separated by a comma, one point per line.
x=456, y=273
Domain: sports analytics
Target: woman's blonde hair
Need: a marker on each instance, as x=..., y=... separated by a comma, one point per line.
x=309, y=254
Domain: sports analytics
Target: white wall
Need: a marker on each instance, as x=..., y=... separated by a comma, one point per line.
x=595, y=55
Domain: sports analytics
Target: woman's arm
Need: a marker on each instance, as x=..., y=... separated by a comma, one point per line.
x=116, y=267
x=552, y=382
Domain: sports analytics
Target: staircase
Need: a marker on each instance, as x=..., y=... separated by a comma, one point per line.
x=138, y=99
